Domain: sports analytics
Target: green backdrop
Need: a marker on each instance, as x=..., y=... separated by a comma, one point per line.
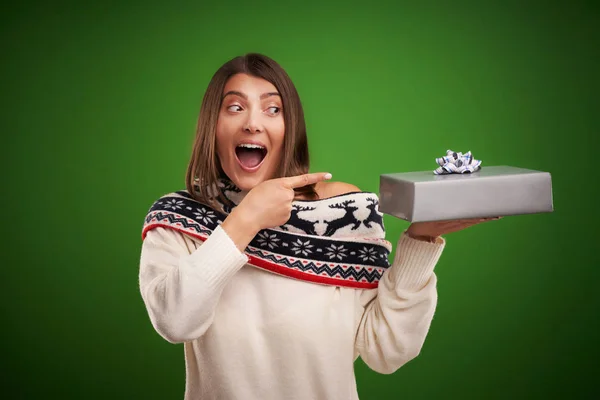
x=99, y=104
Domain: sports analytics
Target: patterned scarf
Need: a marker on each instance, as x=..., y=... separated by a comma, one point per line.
x=337, y=241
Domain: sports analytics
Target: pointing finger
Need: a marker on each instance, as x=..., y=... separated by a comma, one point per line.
x=306, y=179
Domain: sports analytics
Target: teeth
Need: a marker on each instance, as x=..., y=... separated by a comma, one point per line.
x=251, y=146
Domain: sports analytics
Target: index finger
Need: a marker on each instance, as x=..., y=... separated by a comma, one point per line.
x=293, y=182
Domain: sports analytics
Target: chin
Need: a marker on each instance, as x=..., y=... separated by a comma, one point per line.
x=248, y=181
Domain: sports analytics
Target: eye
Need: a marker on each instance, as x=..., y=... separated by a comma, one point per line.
x=274, y=110
x=234, y=108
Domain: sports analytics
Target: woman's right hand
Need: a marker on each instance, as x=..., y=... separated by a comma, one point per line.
x=267, y=205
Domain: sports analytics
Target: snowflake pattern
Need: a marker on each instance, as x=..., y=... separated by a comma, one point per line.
x=338, y=252
x=173, y=204
x=204, y=215
x=367, y=254
x=268, y=240
x=300, y=247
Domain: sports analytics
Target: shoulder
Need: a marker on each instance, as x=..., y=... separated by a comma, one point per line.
x=331, y=189
x=163, y=238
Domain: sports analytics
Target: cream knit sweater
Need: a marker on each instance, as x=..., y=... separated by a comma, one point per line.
x=249, y=334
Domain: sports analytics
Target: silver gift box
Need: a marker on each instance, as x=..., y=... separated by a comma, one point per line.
x=490, y=192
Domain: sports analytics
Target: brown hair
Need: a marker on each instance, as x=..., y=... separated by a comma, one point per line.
x=204, y=169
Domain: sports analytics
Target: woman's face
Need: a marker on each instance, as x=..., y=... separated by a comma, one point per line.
x=250, y=130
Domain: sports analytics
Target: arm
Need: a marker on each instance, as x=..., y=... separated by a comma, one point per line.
x=181, y=280
x=394, y=318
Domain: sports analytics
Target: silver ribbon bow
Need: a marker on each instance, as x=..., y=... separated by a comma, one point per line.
x=457, y=163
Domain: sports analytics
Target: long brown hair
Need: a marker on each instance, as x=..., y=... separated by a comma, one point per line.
x=204, y=169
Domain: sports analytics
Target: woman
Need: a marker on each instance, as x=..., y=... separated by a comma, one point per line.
x=275, y=279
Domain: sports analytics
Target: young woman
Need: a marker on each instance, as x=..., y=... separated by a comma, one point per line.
x=273, y=278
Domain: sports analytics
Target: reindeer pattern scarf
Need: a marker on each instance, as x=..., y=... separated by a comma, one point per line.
x=337, y=241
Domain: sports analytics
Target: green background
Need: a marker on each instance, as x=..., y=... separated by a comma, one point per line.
x=99, y=104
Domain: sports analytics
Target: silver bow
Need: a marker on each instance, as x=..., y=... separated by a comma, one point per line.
x=457, y=163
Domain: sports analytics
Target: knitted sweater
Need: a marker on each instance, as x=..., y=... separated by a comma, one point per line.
x=250, y=334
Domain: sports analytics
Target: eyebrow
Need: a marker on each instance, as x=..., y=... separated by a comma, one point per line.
x=242, y=95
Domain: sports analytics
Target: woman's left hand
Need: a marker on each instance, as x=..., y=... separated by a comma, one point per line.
x=430, y=231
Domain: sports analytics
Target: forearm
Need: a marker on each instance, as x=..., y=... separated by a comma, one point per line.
x=240, y=228
x=422, y=238
x=181, y=290
x=397, y=315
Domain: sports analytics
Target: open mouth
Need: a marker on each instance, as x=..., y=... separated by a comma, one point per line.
x=250, y=156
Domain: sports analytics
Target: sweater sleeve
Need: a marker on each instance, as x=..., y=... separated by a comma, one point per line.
x=393, y=320
x=181, y=280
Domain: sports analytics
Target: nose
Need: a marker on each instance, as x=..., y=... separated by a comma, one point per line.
x=253, y=124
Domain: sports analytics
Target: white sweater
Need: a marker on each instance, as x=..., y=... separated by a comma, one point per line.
x=249, y=334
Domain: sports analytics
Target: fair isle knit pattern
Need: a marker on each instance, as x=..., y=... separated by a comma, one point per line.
x=336, y=241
